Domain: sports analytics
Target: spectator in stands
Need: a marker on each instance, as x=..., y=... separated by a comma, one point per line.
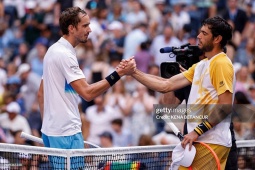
x=242, y=116
x=99, y=117
x=179, y=17
x=236, y=14
x=167, y=39
x=145, y=140
x=133, y=39
x=11, y=69
x=243, y=80
x=143, y=57
x=130, y=84
x=239, y=129
x=13, y=86
x=32, y=22
x=158, y=15
x=115, y=42
x=18, y=140
x=246, y=55
x=244, y=162
x=251, y=133
x=85, y=53
x=154, y=69
x=30, y=85
x=106, y=140
x=99, y=68
x=47, y=8
x=12, y=121
x=118, y=98
x=21, y=54
x=6, y=39
x=165, y=137
x=252, y=94
x=25, y=160
x=37, y=61
x=34, y=50
x=35, y=122
x=141, y=111
x=121, y=137
x=137, y=14
x=116, y=13
x=97, y=35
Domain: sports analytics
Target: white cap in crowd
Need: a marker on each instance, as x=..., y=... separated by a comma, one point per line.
x=13, y=107
x=115, y=25
x=160, y=1
x=30, y=4
x=23, y=68
x=25, y=156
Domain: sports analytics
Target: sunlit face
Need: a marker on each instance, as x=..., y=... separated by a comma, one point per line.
x=82, y=31
x=168, y=31
x=205, y=39
x=232, y=4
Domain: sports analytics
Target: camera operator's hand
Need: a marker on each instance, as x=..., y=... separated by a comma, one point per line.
x=181, y=68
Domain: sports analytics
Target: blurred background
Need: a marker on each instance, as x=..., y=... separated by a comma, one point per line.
x=124, y=116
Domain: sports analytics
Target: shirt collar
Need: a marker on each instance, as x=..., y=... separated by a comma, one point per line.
x=67, y=44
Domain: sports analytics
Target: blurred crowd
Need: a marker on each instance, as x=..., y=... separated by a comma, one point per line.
x=123, y=116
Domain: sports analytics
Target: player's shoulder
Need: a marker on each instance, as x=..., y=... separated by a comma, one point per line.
x=57, y=48
x=56, y=52
x=221, y=60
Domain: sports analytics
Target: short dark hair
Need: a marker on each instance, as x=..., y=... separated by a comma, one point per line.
x=219, y=26
x=70, y=17
x=117, y=121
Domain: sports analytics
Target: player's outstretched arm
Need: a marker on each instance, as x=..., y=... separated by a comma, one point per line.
x=160, y=84
x=89, y=91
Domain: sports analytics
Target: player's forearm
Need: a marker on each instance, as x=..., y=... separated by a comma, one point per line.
x=155, y=83
x=222, y=109
x=220, y=112
x=95, y=89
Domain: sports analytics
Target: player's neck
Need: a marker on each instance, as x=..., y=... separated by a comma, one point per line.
x=70, y=40
x=212, y=53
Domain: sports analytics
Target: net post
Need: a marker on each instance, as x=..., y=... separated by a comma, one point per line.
x=68, y=160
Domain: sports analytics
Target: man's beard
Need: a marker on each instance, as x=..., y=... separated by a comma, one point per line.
x=207, y=47
x=83, y=41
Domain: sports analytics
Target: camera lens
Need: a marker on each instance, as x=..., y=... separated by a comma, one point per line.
x=171, y=70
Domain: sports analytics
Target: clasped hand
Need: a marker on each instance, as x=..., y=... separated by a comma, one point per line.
x=126, y=67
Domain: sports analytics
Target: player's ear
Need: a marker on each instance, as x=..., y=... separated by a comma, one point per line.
x=217, y=39
x=71, y=28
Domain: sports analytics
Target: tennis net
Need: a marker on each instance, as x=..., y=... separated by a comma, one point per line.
x=156, y=157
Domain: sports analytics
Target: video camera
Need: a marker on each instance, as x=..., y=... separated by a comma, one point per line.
x=186, y=56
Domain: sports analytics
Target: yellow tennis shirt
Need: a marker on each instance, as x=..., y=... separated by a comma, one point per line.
x=210, y=78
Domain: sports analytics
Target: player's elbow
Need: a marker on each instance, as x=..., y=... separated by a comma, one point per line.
x=88, y=97
x=164, y=88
